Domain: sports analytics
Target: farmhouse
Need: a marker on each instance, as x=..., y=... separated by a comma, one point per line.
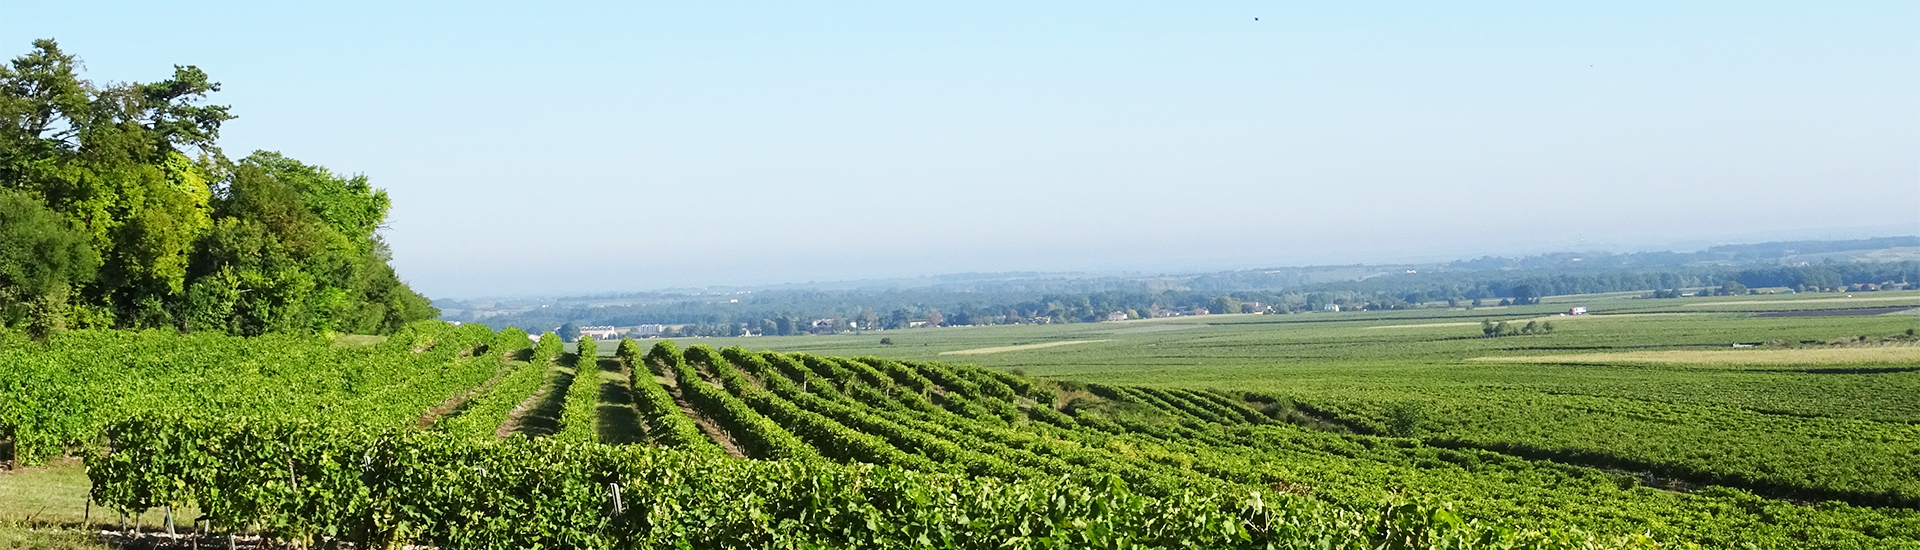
x=825, y=326
x=600, y=332
x=1117, y=316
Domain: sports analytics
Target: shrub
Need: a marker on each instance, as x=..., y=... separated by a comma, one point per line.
x=1403, y=419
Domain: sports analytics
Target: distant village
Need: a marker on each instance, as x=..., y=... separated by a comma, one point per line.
x=724, y=315
x=836, y=325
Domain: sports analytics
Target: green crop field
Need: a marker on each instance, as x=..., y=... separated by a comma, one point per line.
x=1812, y=428
x=1774, y=421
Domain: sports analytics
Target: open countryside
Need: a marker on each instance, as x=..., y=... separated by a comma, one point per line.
x=1313, y=411
x=1234, y=276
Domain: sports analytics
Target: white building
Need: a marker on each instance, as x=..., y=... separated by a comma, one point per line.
x=601, y=332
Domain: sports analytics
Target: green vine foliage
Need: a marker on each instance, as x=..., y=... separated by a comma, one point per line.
x=580, y=412
x=306, y=482
x=310, y=442
x=666, y=423
x=62, y=394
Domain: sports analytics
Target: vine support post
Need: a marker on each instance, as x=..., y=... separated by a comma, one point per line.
x=618, y=509
x=170, y=531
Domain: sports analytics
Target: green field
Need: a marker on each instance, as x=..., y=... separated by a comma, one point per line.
x=1819, y=430
x=1649, y=423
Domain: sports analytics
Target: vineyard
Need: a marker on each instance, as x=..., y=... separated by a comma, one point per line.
x=460, y=437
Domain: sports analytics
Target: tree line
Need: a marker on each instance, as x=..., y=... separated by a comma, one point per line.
x=791, y=312
x=118, y=209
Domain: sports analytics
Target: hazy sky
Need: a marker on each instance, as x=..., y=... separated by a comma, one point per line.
x=541, y=147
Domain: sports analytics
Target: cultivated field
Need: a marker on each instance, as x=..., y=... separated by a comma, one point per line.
x=1641, y=425
x=1894, y=355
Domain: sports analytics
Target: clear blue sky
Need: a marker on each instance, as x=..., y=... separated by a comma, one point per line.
x=543, y=147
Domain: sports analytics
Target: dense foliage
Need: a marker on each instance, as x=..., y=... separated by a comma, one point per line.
x=118, y=209
x=578, y=418
x=388, y=488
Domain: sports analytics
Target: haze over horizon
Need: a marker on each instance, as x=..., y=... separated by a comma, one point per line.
x=581, y=147
x=1465, y=252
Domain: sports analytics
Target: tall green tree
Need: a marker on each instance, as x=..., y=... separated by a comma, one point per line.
x=115, y=159
x=184, y=237
x=42, y=257
x=1525, y=295
x=295, y=249
x=1223, y=304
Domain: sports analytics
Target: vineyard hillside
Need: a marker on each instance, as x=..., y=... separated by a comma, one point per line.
x=460, y=437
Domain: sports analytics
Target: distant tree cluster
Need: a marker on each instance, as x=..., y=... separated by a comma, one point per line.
x=118, y=209
x=789, y=312
x=1491, y=329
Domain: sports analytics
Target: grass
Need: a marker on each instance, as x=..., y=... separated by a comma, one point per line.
x=357, y=340
x=36, y=537
x=618, y=422
x=544, y=418
x=55, y=493
x=45, y=508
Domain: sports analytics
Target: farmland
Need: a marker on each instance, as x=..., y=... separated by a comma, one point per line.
x=1641, y=425
x=1813, y=427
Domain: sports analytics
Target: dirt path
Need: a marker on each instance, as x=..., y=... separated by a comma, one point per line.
x=714, y=431
x=751, y=379
x=455, y=402
x=526, y=407
x=706, y=372
x=1024, y=347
